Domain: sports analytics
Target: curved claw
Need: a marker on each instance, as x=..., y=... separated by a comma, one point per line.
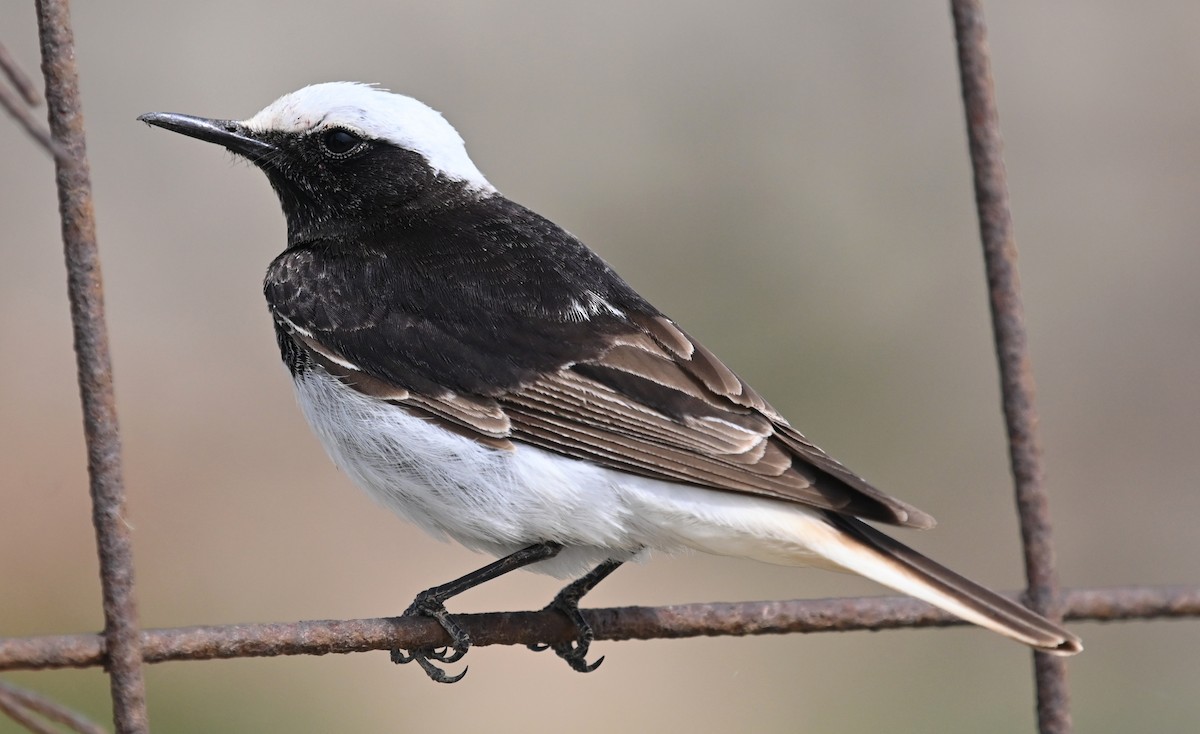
x=422, y=658
x=436, y=674
x=447, y=654
x=426, y=604
x=576, y=657
x=575, y=652
x=581, y=666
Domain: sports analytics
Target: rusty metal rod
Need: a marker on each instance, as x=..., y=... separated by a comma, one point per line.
x=1012, y=351
x=18, y=78
x=122, y=648
x=28, y=708
x=18, y=104
x=521, y=628
x=15, y=108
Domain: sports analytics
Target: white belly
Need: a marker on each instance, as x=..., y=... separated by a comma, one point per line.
x=498, y=501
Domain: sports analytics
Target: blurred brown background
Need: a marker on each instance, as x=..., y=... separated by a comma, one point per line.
x=790, y=181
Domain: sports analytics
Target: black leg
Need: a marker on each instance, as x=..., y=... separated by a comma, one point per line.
x=431, y=603
x=567, y=602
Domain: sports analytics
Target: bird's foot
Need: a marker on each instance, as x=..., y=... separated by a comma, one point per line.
x=574, y=652
x=427, y=604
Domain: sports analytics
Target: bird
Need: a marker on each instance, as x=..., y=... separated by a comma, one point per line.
x=485, y=375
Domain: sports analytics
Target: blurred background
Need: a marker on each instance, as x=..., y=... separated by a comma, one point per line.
x=790, y=182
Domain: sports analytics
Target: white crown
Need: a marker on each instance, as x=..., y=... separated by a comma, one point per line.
x=374, y=113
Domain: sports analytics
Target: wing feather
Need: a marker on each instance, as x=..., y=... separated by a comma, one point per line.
x=624, y=387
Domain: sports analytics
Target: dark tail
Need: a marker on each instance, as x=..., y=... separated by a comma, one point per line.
x=870, y=553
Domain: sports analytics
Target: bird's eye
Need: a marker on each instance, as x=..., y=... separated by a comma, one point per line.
x=339, y=142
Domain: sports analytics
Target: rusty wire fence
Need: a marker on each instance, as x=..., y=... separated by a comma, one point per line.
x=122, y=648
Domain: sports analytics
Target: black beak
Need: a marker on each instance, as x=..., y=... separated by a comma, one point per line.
x=233, y=135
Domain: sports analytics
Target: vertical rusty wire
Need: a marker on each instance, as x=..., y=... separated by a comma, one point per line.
x=1016, y=370
x=85, y=290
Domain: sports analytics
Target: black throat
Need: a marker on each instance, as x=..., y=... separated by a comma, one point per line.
x=457, y=290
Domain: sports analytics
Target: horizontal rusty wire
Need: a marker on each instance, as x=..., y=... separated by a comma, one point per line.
x=522, y=628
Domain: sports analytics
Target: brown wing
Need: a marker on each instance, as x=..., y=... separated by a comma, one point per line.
x=654, y=403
